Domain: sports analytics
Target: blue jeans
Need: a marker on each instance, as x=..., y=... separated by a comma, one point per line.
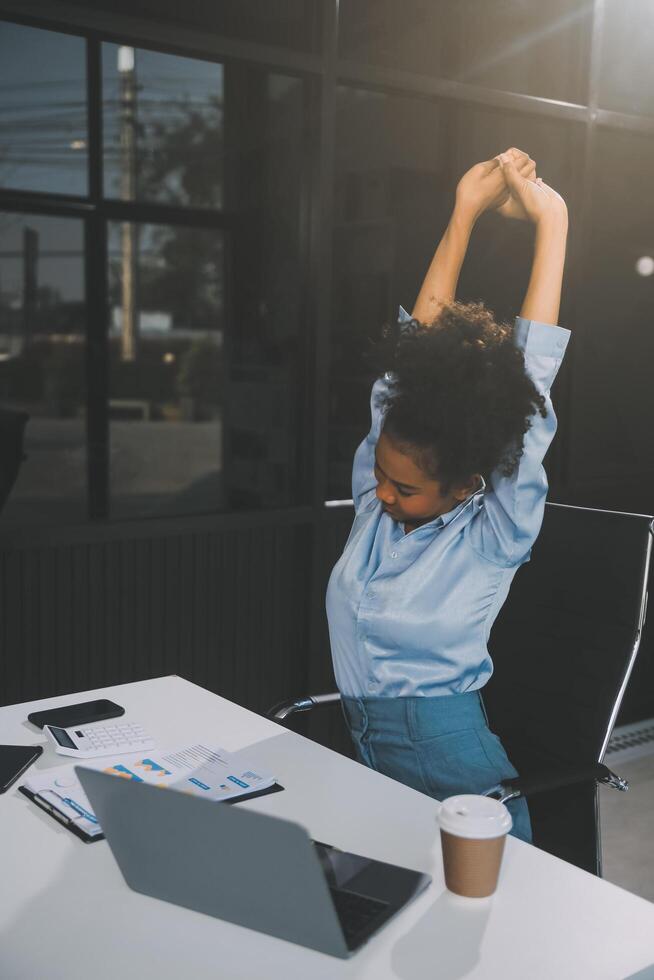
x=440, y=746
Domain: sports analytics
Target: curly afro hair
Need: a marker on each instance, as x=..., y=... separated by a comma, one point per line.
x=459, y=399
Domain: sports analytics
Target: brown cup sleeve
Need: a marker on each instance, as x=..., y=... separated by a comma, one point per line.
x=471, y=866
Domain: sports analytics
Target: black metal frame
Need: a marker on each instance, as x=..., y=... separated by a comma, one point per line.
x=322, y=72
x=508, y=789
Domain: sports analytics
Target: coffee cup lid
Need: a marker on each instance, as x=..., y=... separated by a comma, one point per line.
x=477, y=817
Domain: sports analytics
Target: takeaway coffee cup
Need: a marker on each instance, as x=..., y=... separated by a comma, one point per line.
x=473, y=832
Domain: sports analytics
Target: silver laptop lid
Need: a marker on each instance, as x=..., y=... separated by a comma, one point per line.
x=267, y=877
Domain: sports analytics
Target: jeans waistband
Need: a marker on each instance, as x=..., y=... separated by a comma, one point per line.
x=418, y=717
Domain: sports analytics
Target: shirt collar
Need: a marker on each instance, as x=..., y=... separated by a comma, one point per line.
x=451, y=514
x=444, y=519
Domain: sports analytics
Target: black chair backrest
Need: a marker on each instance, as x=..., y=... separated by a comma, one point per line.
x=563, y=647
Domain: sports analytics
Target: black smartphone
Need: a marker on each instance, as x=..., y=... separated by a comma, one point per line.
x=76, y=714
x=14, y=760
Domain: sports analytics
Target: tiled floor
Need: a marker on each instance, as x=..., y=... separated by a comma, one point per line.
x=627, y=821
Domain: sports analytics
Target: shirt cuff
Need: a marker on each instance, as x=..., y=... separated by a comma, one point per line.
x=540, y=339
x=531, y=336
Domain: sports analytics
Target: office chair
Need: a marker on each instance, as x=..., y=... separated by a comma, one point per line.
x=563, y=647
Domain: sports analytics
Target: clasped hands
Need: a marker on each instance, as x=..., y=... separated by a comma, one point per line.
x=508, y=184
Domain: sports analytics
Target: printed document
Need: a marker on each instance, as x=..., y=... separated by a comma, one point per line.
x=196, y=769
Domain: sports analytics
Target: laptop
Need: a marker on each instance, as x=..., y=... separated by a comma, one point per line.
x=246, y=867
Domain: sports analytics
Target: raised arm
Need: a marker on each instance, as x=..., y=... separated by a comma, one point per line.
x=439, y=285
x=514, y=505
x=548, y=211
x=481, y=188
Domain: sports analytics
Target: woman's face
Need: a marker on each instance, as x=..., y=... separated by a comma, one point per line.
x=407, y=493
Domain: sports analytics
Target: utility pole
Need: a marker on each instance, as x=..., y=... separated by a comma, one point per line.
x=128, y=231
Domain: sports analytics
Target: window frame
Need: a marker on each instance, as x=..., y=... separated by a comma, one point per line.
x=321, y=71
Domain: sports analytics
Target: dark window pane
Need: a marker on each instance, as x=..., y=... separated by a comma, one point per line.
x=163, y=127
x=166, y=369
x=42, y=111
x=266, y=342
x=206, y=380
x=613, y=458
x=397, y=164
x=391, y=195
x=42, y=343
x=537, y=49
x=626, y=79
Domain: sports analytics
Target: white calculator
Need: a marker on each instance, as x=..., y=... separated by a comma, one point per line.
x=89, y=742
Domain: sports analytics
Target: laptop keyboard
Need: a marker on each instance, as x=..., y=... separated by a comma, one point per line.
x=356, y=912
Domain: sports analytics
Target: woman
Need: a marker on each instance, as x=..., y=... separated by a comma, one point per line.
x=449, y=492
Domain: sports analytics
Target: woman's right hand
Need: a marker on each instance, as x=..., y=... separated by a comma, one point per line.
x=526, y=167
x=539, y=201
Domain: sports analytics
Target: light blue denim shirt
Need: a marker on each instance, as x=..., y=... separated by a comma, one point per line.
x=410, y=614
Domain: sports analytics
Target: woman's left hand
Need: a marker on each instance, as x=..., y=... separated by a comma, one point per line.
x=483, y=187
x=539, y=201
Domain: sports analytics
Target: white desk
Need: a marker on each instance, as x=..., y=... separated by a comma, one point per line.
x=66, y=913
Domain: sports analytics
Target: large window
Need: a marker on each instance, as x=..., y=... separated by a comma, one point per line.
x=195, y=402
x=196, y=225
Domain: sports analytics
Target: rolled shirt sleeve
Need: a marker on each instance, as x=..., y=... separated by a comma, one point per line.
x=513, y=506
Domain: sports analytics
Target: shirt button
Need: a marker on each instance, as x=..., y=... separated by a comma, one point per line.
x=393, y=554
x=371, y=595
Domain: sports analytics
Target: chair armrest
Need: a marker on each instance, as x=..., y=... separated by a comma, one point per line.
x=284, y=709
x=542, y=782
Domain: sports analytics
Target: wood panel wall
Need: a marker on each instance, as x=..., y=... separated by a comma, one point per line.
x=225, y=608
x=228, y=607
